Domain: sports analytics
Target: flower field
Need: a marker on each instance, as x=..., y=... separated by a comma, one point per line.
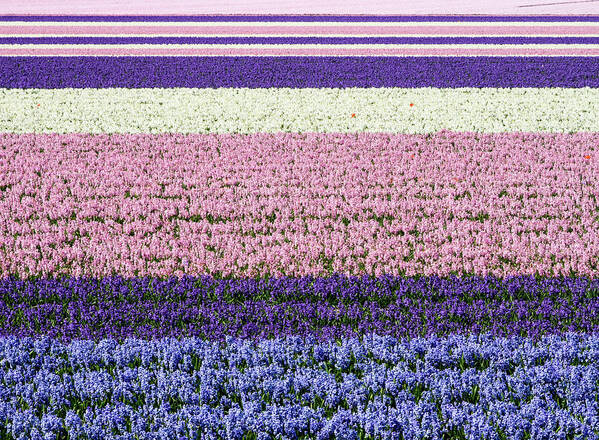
x=299, y=227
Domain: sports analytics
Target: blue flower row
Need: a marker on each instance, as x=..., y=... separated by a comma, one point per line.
x=292, y=388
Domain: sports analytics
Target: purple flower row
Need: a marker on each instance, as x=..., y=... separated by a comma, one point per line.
x=325, y=308
x=374, y=387
x=296, y=72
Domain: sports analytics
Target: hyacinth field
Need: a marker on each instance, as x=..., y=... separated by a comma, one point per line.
x=236, y=227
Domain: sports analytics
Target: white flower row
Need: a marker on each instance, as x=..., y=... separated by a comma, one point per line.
x=231, y=110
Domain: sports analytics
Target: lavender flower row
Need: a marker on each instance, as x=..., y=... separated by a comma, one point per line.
x=325, y=308
x=297, y=72
x=374, y=388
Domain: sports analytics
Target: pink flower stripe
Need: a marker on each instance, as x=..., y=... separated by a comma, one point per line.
x=179, y=7
x=16, y=50
x=233, y=29
x=297, y=204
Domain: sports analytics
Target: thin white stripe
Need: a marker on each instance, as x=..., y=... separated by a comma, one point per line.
x=292, y=24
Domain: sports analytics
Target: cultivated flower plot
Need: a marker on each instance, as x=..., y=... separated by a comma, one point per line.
x=299, y=227
x=300, y=204
x=423, y=110
x=326, y=308
x=48, y=72
x=373, y=387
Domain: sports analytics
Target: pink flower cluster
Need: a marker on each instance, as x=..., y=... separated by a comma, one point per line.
x=296, y=204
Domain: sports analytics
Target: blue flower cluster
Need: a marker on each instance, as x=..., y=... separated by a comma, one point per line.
x=374, y=387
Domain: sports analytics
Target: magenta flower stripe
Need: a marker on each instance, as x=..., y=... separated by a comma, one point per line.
x=299, y=204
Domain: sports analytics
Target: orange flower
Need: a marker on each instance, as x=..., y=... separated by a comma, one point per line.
x=353, y=115
x=411, y=104
x=587, y=157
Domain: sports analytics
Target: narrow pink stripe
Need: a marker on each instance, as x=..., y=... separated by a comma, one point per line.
x=176, y=7
x=301, y=30
x=123, y=51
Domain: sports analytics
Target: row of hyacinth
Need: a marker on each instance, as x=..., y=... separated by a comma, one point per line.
x=368, y=388
x=353, y=110
x=299, y=204
x=286, y=248
x=48, y=72
x=324, y=308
